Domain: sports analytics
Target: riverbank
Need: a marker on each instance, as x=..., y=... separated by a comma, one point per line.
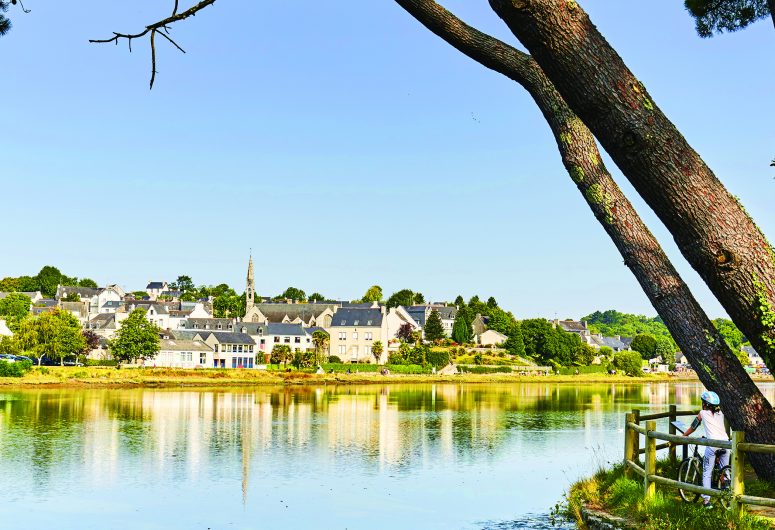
x=608, y=499
x=160, y=377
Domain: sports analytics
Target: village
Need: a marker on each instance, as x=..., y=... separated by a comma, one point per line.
x=191, y=336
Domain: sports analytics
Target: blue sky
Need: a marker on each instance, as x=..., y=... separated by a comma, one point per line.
x=347, y=146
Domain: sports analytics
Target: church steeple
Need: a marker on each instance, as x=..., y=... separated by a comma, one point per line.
x=250, y=290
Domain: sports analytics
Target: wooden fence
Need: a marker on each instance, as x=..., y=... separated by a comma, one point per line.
x=738, y=447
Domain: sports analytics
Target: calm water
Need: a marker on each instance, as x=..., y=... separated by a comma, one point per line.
x=401, y=456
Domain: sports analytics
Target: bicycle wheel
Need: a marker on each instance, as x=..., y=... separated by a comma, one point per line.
x=690, y=472
x=722, y=481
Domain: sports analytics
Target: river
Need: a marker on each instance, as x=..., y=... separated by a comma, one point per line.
x=435, y=456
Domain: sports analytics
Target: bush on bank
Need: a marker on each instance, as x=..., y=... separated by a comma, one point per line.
x=15, y=369
x=610, y=491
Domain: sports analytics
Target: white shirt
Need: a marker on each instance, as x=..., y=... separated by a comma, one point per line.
x=714, y=425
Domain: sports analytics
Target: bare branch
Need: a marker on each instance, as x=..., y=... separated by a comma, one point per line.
x=160, y=27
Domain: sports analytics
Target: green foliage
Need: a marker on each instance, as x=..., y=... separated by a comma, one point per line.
x=418, y=355
x=437, y=358
x=136, y=339
x=742, y=357
x=334, y=359
x=376, y=350
x=10, y=346
x=374, y=294
x=434, y=329
x=646, y=345
x=629, y=362
x=487, y=369
x=544, y=342
x=15, y=369
x=55, y=334
x=404, y=297
x=459, y=302
x=585, y=355
x=15, y=307
x=229, y=305
x=612, y=322
x=294, y=293
x=303, y=359
x=183, y=284
x=281, y=354
x=727, y=329
x=591, y=369
x=101, y=362
x=606, y=351
x=491, y=303
x=725, y=15
x=316, y=297
x=462, y=332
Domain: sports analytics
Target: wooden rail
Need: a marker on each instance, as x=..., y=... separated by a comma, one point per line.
x=737, y=447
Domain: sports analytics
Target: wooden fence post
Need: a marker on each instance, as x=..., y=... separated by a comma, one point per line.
x=649, y=487
x=628, y=434
x=737, y=462
x=672, y=431
x=636, y=435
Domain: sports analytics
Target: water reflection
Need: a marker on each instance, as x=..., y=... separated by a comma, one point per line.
x=437, y=456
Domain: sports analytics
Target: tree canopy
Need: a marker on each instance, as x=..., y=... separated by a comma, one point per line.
x=136, y=339
x=14, y=308
x=718, y=16
x=434, y=329
x=374, y=294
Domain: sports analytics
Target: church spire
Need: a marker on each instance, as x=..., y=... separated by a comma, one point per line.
x=250, y=290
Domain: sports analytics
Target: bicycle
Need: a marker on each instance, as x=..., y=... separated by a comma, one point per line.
x=690, y=472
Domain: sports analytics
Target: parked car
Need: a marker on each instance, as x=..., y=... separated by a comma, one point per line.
x=24, y=358
x=7, y=357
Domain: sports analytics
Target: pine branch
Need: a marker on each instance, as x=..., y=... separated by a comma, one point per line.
x=160, y=27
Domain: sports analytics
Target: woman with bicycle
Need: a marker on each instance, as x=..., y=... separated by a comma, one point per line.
x=713, y=420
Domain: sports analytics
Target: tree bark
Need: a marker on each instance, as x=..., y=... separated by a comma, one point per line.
x=717, y=367
x=771, y=4
x=711, y=228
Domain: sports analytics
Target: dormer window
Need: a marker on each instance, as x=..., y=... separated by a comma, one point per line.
x=356, y=322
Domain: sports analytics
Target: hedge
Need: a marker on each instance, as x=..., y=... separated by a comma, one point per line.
x=15, y=369
x=486, y=369
x=394, y=368
x=100, y=362
x=591, y=369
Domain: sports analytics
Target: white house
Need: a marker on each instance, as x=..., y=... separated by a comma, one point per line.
x=355, y=330
x=182, y=354
x=154, y=289
x=230, y=350
x=266, y=336
x=491, y=338
x=420, y=314
x=4, y=331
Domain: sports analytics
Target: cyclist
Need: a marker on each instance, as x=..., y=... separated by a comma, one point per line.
x=713, y=420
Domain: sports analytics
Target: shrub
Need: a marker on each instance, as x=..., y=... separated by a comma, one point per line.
x=100, y=362
x=629, y=362
x=437, y=358
x=334, y=359
x=591, y=369
x=16, y=369
x=487, y=369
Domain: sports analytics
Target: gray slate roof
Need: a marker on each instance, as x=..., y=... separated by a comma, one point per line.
x=357, y=318
x=103, y=321
x=183, y=345
x=83, y=292
x=272, y=328
x=155, y=285
x=226, y=324
x=226, y=337
x=3, y=294
x=276, y=312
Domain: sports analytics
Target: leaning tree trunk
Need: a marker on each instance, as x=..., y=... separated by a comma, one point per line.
x=717, y=367
x=711, y=228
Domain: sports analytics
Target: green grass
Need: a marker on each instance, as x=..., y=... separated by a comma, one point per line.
x=612, y=492
x=592, y=369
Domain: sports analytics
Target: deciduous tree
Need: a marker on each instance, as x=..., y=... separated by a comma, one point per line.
x=374, y=294
x=136, y=339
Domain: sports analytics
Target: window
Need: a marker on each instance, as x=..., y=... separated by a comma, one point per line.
x=186, y=356
x=367, y=350
x=276, y=339
x=287, y=340
x=342, y=335
x=233, y=362
x=368, y=335
x=202, y=358
x=355, y=335
x=342, y=350
x=297, y=340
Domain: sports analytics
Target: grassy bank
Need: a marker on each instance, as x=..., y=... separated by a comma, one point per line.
x=611, y=492
x=154, y=377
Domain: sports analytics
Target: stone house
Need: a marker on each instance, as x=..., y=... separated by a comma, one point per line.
x=230, y=350
x=354, y=331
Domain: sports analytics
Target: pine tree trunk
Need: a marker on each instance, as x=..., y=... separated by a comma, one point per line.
x=711, y=228
x=717, y=367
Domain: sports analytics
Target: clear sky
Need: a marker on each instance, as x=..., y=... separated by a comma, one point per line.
x=347, y=146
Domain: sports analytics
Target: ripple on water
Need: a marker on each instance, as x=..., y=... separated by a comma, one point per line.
x=527, y=521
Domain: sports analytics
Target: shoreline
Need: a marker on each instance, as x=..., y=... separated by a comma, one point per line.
x=102, y=377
